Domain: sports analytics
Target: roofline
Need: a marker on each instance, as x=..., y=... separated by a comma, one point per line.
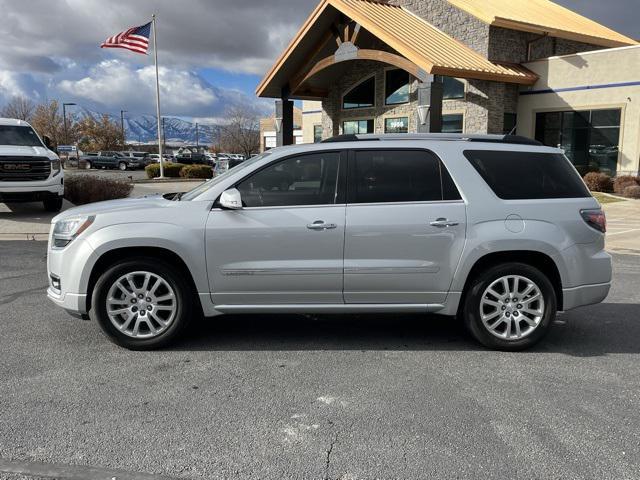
x=559, y=33
x=452, y=137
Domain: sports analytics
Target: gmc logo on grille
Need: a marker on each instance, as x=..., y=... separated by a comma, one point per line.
x=16, y=166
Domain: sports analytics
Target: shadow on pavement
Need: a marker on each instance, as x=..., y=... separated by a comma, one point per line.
x=590, y=331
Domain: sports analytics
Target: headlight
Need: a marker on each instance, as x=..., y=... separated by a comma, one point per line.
x=65, y=231
x=55, y=167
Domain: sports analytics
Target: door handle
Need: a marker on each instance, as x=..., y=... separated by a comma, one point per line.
x=442, y=223
x=320, y=225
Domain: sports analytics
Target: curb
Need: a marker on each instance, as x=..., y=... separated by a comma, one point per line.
x=169, y=180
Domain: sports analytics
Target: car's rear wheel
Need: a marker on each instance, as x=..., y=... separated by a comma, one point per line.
x=52, y=204
x=142, y=304
x=122, y=166
x=510, y=306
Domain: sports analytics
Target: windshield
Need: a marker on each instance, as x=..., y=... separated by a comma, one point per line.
x=203, y=187
x=19, y=136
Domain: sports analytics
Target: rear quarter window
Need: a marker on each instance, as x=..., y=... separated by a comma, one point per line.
x=527, y=175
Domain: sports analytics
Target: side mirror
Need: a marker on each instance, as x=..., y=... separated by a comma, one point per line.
x=231, y=199
x=47, y=141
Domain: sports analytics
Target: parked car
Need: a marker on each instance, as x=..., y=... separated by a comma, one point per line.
x=137, y=160
x=105, y=159
x=155, y=157
x=498, y=230
x=29, y=170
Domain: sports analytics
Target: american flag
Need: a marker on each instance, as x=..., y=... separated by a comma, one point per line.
x=135, y=39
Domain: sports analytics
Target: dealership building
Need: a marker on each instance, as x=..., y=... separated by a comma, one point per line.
x=529, y=67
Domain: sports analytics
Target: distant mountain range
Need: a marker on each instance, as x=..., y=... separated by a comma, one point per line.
x=143, y=128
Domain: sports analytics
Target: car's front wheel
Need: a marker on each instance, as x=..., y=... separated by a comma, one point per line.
x=142, y=304
x=509, y=306
x=122, y=166
x=87, y=165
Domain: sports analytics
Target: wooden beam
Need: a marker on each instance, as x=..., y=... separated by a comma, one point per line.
x=356, y=31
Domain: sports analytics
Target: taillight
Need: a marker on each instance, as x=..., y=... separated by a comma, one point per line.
x=595, y=218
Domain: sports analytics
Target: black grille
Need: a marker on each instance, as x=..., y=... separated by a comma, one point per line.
x=24, y=169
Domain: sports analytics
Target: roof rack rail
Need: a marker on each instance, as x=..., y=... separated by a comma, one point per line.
x=508, y=139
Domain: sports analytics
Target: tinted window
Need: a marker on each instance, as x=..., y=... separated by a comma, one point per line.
x=399, y=176
x=527, y=175
x=396, y=125
x=396, y=87
x=452, y=88
x=357, y=126
x=362, y=95
x=19, y=136
x=452, y=123
x=304, y=180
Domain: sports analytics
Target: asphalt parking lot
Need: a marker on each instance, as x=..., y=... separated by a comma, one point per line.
x=347, y=397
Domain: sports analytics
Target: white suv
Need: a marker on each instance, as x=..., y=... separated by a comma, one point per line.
x=500, y=231
x=29, y=170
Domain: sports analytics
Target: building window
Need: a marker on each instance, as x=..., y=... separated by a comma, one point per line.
x=453, y=89
x=396, y=87
x=509, y=124
x=354, y=127
x=317, y=133
x=396, y=125
x=452, y=123
x=590, y=138
x=362, y=95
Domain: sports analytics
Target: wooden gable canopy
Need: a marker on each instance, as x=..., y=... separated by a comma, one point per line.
x=411, y=43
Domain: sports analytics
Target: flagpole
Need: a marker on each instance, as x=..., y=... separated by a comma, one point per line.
x=155, y=57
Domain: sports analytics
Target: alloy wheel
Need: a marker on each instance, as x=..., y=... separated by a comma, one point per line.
x=141, y=304
x=512, y=307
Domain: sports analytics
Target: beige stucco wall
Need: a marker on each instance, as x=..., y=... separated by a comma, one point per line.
x=311, y=115
x=603, y=67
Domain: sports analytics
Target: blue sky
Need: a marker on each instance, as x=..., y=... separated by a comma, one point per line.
x=212, y=52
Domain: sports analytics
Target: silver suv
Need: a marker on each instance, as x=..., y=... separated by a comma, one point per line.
x=497, y=230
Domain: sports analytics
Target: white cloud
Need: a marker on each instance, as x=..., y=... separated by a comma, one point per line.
x=182, y=93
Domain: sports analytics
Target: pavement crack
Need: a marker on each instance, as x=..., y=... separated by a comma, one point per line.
x=15, y=296
x=329, y=450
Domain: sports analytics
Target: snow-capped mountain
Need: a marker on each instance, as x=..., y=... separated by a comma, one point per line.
x=143, y=128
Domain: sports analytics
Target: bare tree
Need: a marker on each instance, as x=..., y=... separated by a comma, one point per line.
x=242, y=132
x=19, y=107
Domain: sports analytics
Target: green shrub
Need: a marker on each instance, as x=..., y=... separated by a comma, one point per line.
x=81, y=189
x=632, y=191
x=624, y=181
x=598, y=182
x=196, y=171
x=170, y=170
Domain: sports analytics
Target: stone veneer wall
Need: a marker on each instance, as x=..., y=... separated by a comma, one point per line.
x=333, y=115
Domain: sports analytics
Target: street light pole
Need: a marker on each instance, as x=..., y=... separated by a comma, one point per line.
x=164, y=136
x=64, y=120
x=124, y=140
x=197, y=136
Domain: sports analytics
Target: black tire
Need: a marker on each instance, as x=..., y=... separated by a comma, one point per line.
x=183, y=294
x=52, y=204
x=87, y=165
x=122, y=166
x=478, y=285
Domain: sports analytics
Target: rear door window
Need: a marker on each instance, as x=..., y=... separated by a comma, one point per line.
x=384, y=176
x=527, y=175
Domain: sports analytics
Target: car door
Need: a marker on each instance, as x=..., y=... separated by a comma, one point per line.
x=286, y=245
x=405, y=228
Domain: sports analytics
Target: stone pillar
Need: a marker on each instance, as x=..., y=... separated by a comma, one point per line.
x=284, y=122
x=430, y=107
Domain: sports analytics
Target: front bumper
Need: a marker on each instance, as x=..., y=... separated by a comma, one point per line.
x=73, y=303
x=32, y=191
x=70, y=266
